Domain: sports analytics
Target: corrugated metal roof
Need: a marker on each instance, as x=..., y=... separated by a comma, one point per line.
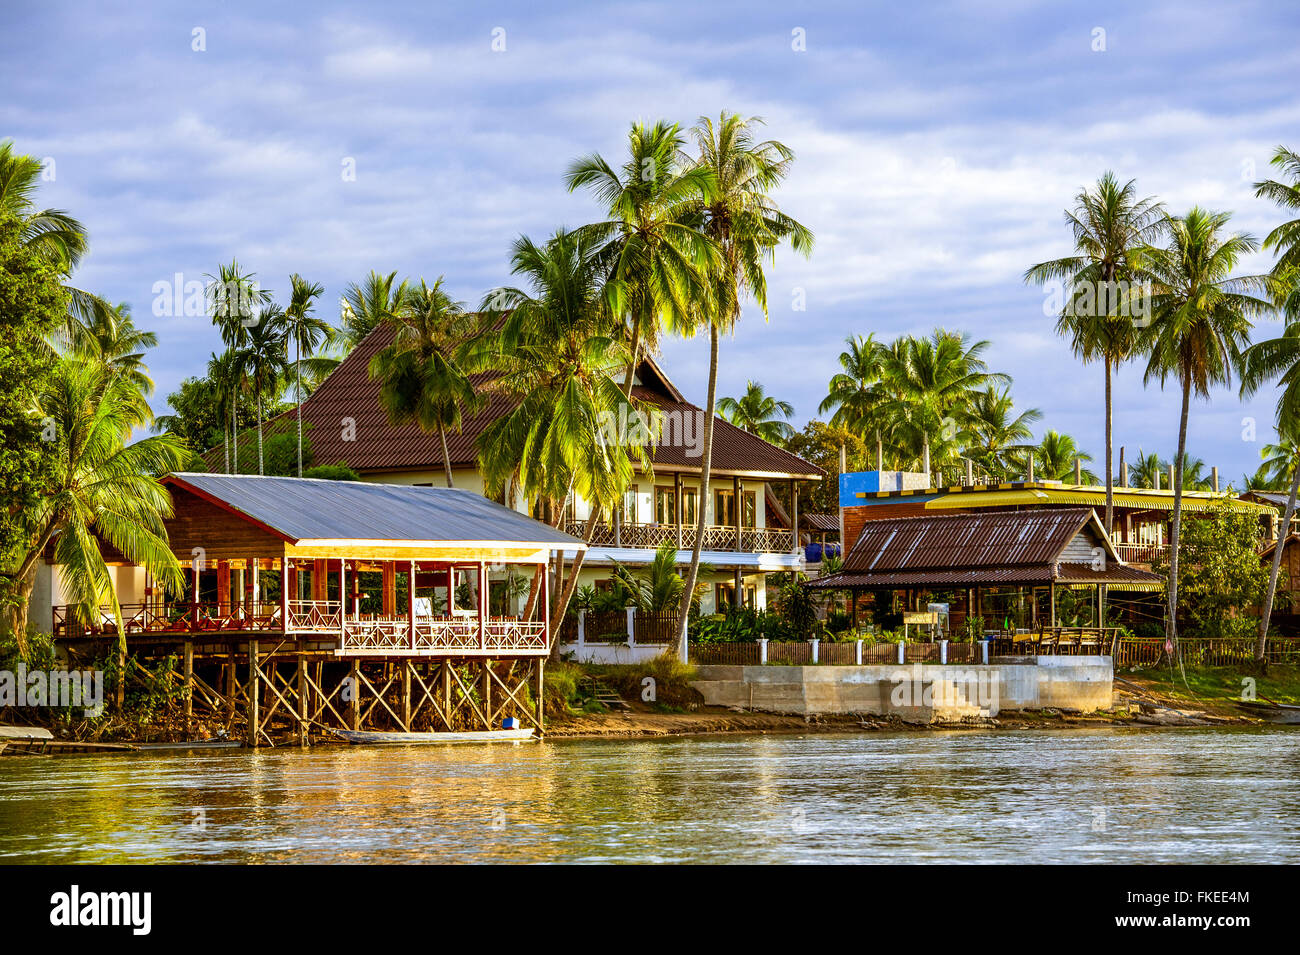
x=955, y=541
x=1115, y=575
x=821, y=522
x=371, y=444
x=1029, y=496
x=307, y=509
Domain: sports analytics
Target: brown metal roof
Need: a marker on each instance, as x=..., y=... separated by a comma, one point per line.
x=377, y=446
x=980, y=548
x=821, y=522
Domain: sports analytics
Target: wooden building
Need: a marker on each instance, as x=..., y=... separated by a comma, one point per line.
x=314, y=604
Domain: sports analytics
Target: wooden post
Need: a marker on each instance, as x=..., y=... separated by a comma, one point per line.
x=546, y=602
x=406, y=695
x=794, y=512
x=223, y=587
x=487, y=692
x=541, y=702
x=390, y=589
x=482, y=605
x=194, y=604
x=446, y=692
x=1123, y=469
x=1078, y=470
x=187, y=670
x=343, y=600
x=354, y=716
x=231, y=679
x=1051, y=590
x=251, y=691
x=736, y=490
x=1214, y=478
x=287, y=575
x=304, y=697
x=410, y=604
x=677, y=505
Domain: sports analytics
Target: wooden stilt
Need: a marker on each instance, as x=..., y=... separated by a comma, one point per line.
x=487, y=693
x=187, y=670
x=354, y=714
x=406, y=695
x=541, y=703
x=253, y=697
x=304, y=702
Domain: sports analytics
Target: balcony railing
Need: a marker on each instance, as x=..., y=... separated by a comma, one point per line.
x=751, y=540
x=159, y=618
x=443, y=636
x=1140, y=553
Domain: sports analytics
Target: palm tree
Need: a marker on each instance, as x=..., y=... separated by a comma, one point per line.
x=104, y=490
x=758, y=413
x=263, y=362
x=1147, y=470
x=995, y=434
x=112, y=337
x=654, y=248
x=307, y=332
x=554, y=358
x=746, y=226
x=57, y=236
x=855, y=392
x=234, y=303
x=1279, y=359
x=223, y=371
x=366, y=306
x=660, y=588
x=1201, y=319
x=1111, y=229
x=420, y=372
x=1056, y=453
x=930, y=387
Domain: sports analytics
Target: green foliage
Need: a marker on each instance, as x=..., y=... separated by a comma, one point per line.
x=742, y=624
x=332, y=472
x=197, y=413
x=798, y=606
x=819, y=443
x=32, y=304
x=1220, y=575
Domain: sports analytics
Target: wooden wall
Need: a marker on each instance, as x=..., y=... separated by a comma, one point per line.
x=221, y=534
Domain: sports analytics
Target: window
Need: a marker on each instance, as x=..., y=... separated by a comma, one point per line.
x=665, y=505
x=724, y=508
x=630, y=498
x=689, y=514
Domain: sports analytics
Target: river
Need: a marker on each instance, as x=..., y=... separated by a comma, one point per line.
x=1110, y=795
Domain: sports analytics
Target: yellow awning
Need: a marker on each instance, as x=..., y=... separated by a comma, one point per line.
x=1093, y=497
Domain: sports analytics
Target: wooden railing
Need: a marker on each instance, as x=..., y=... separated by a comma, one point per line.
x=314, y=615
x=158, y=618
x=443, y=636
x=716, y=536
x=1206, y=651
x=1140, y=553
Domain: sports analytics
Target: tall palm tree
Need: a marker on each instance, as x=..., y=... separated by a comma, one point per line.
x=112, y=337
x=227, y=383
x=996, y=431
x=554, y=357
x=300, y=326
x=56, y=235
x=1279, y=359
x=104, y=490
x=654, y=248
x=1201, y=319
x=931, y=385
x=263, y=362
x=235, y=301
x=746, y=225
x=420, y=372
x=759, y=413
x=1147, y=470
x=365, y=306
x=1111, y=229
x=855, y=391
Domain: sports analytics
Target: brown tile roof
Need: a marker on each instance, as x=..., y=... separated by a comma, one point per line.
x=983, y=547
x=349, y=393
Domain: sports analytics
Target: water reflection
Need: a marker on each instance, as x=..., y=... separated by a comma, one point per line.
x=1112, y=795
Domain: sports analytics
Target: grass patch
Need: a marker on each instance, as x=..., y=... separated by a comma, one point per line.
x=1280, y=685
x=672, y=688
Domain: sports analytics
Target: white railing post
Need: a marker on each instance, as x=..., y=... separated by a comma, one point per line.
x=762, y=650
x=857, y=652
x=631, y=626
x=984, y=651
x=900, y=652
x=815, y=642
x=943, y=651
x=582, y=627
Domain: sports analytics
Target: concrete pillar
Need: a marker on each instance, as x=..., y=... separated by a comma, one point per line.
x=901, y=651
x=815, y=644
x=762, y=650
x=984, y=651
x=857, y=652
x=943, y=651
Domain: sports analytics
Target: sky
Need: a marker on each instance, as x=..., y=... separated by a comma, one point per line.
x=937, y=146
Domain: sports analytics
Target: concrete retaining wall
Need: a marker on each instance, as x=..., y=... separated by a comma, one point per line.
x=610, y=652
x=916, y=693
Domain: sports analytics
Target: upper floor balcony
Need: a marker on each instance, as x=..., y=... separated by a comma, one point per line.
x=717, y=537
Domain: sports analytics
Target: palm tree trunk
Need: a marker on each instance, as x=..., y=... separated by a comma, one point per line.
x=701, y=506
x=446, y=457
x=225, y=439
x=1110, y=473
x=1276, y=569
x=570, y=585
x=1171, y=624
x=17, y=603
x=297, y=369
x=631, y=369
x=925, y=455
x=260, y=467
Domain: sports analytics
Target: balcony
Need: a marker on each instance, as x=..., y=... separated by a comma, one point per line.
x=717, y=537
x=1140, y=553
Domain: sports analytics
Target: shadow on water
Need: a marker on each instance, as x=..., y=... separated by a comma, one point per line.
x=1214, y=795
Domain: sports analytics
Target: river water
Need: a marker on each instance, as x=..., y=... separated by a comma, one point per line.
x=1110, y=795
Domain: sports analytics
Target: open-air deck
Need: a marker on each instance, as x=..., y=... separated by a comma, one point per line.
x=717, y=537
